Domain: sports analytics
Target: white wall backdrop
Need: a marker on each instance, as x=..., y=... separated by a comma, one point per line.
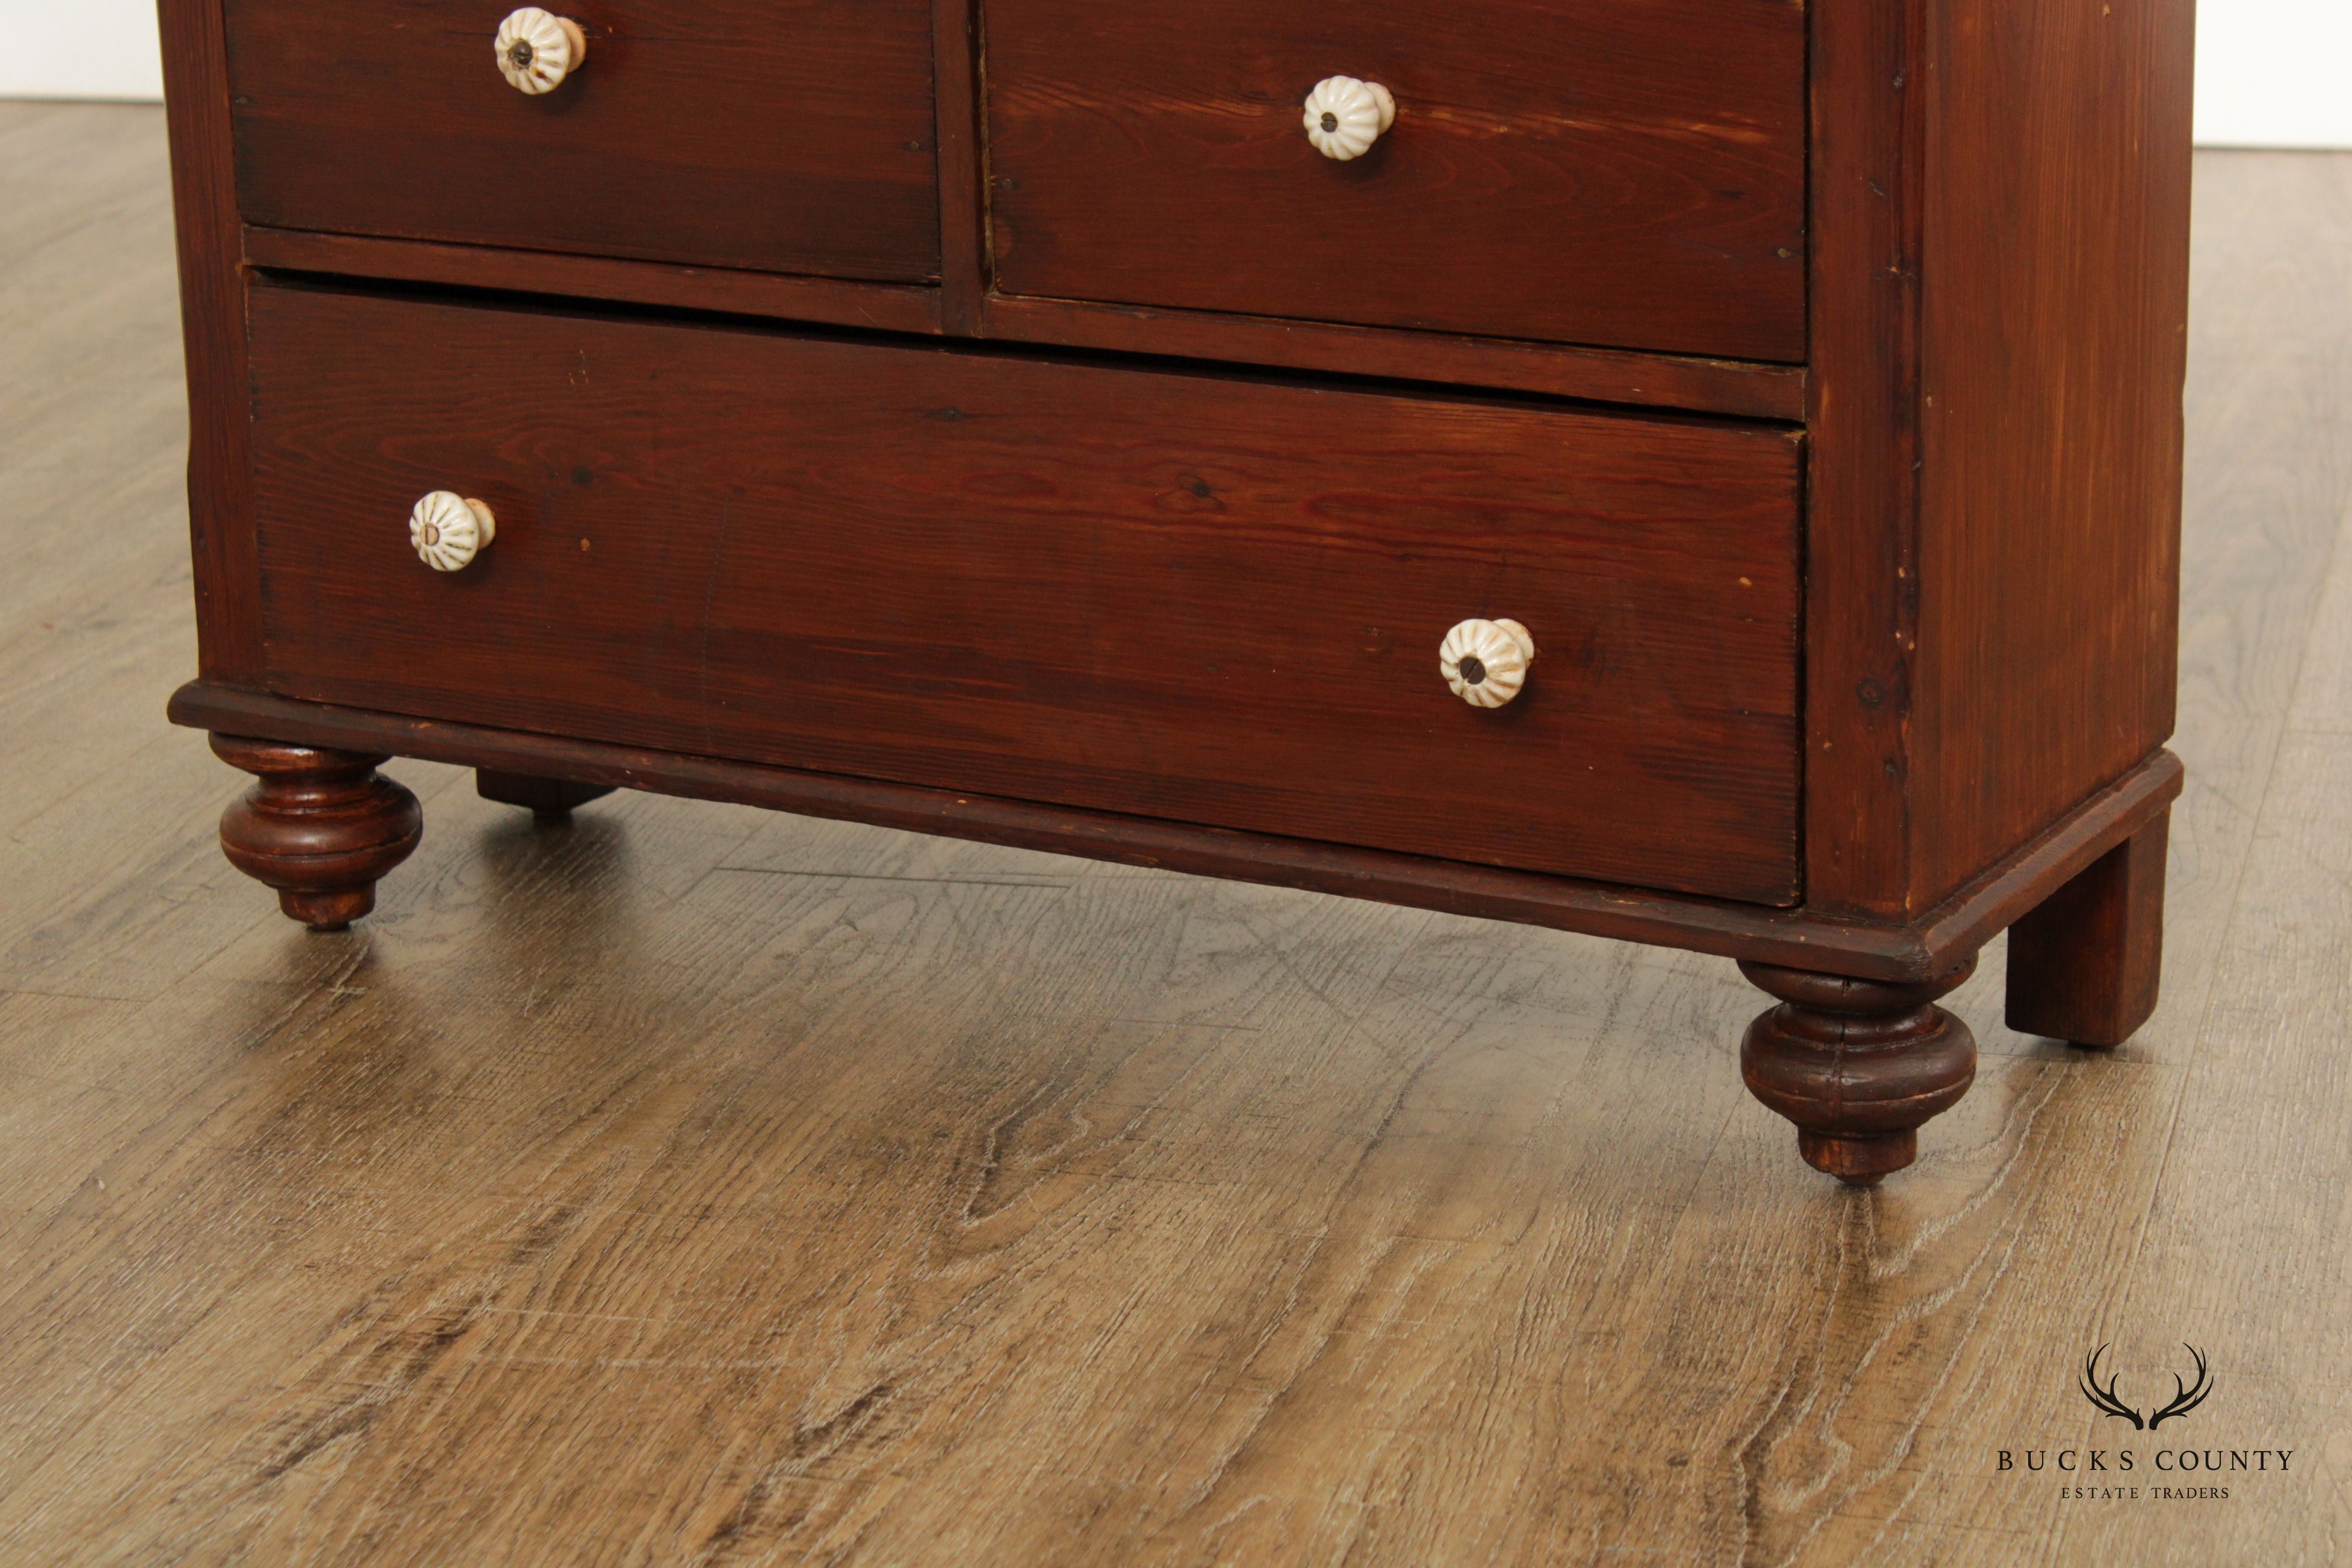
x=2275, y=73
x=2270, y=73
x=79, y=49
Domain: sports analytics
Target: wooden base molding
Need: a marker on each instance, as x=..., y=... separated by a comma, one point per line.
x=1859, y=1066
x=319, y=826
x=1902, y=952
x=1856, y=1055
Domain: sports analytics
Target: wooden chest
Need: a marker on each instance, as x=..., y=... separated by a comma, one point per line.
x=1699, y=471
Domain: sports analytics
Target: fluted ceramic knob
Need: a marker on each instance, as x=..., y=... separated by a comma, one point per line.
x=447, y=531
x=537, y=49
x=1345, y=116
x=1486, y=662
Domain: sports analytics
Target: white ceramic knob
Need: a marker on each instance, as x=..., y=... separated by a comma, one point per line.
x=1345, y=116
x=1486, y=662
x=537, y=50
x=448, y=531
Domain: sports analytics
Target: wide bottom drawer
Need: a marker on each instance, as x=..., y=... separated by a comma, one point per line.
x=1213, y=600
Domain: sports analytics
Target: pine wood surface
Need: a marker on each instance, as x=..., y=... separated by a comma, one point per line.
x=1653, y=153
x=691, y=1185
x=2054, y=281
x=794, y=135
x=1171, y=596
x=1999, y=243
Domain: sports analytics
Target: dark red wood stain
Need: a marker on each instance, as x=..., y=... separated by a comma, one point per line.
x=212, y=322
x=1915, y=951
x=1135, y=591
x=791, y=135
x=2000, y=312
x=1846, y=723
x=2056, y=321
x=2086, y=967
x=1628, y=172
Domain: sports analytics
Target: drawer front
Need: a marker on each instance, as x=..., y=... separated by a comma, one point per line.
x=1213, y=601
x=1613, y=172
x=783, y=135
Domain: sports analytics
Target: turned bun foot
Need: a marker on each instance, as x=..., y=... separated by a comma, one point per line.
x=1857, y=1064
x=319, y=826
x=550, y=800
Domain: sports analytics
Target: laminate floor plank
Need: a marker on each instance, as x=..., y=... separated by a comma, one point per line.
x=2248, y=1241
x=692, y=1184
x=2037, y=1199
x=91, y=446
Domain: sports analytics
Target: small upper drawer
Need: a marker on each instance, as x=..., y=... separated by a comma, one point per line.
x=785, y=135
x=1628, y=172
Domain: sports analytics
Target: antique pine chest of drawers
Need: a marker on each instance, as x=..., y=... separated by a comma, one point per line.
x=1704, y=473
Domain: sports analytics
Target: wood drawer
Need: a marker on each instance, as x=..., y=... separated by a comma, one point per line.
x=1207, y=600
x=785, y=135
x=1613, y=172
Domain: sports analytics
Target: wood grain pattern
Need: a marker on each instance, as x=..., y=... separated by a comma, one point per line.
x=1858, y=1067
x=2001, y=239
x=320, y=829
x=1166, y=1221
x=828, y=302
x=1165, y=595
x=783, y=135
x=2086, y=966
x=1737, y=387
x=1734, y=387
x=963, y=164
x=212, y=314
x=1862, y=477
x=2246, y=1237
x=1629, y=172
x=2055, y=320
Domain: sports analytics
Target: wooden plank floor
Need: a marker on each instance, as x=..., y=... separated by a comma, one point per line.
x=692, y=1185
